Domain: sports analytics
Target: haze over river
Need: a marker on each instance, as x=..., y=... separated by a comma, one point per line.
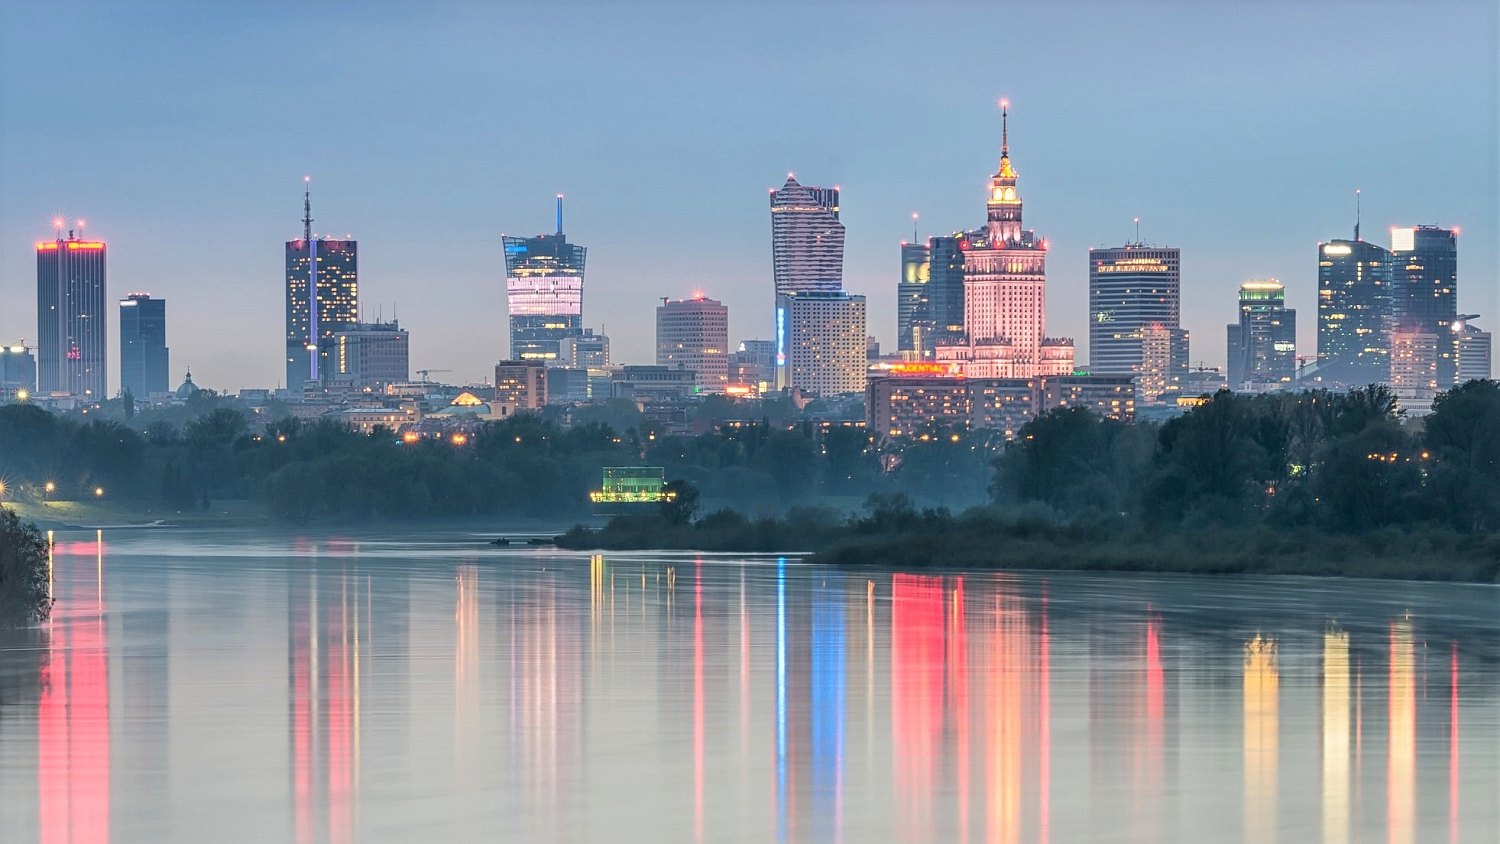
x=237, y=685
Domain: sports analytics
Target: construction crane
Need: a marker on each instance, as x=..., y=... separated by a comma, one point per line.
x=426, y=372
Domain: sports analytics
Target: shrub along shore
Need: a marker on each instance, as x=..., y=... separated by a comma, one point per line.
x=1315, y=483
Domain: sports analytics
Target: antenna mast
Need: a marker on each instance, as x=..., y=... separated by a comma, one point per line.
x=1356, y=214
x=307, y=208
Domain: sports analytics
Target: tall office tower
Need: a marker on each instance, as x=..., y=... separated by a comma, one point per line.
x=1354, y=311
x=143, y=346
x=17, y=369
x=72, y=324
x=372, y=355
x=1163, y=366
x=521, y=383
x=544, y=292
x=584, y=351
x=694, y=334
x=826, y=342
x=330, y=270
x=1005, y=280
x=807, y=253
x=1263, y=344
x=945, y=287
x=1473, y=350
x=913, y=310
x=1131, y=288
x=807, y=239
x=1424, y=285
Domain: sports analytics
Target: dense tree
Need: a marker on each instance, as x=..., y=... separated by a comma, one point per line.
x=23, y=572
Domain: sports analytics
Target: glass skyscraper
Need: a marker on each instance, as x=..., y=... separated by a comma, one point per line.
x=1424, y=276
x=1132, y=288
x=544, y=293
x=807, y=239
x=1354, y=312
x=144, y=365
x=72, y=333
x=331, y=269
x=945, y=286
x=1263, y=344
x=913, y=314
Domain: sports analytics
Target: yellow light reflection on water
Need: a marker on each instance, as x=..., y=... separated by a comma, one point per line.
x=1262, y=680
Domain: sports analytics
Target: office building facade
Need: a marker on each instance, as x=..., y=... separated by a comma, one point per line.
x=694, y=334
x=945, y=287
x=372, y=355
x=807, y=239
x=322, y=299
x=1424, y=272
x=521, y=384
x=1164, y=364
x=1414, y=369
x=1132, y=288
x=1354, y=312
x=72, y=348
x=544, y=293
x=825, y=342
x=17, y=369
x=1262, y=346
x=1474, y=348
x=144, y=364
x=584, y=351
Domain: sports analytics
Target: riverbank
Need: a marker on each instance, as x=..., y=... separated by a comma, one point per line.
x=992, y=544
x=64, y=515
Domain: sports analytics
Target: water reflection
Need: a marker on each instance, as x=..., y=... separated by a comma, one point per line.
x=437, y=694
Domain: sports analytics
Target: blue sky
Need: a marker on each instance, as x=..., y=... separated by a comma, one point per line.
x=1237, y=132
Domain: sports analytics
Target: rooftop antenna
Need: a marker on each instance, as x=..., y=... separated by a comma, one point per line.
x=307, y=208
x=1356, y=214
x=913, y=227
x=1137, y=231
x=1004, y=128
x=559, y=213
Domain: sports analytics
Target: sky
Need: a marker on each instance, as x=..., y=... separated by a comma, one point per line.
x=1238, y=132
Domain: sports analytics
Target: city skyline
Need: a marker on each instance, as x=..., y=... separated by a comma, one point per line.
x=1220, y=182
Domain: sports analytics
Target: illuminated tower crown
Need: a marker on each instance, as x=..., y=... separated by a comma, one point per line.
x=1004, y=203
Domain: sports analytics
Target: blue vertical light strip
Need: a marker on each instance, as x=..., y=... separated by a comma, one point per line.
x=828, y=681
x=781, y=826
x=312, y=304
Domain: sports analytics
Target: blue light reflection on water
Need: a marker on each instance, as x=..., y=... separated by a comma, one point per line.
x=276, y=687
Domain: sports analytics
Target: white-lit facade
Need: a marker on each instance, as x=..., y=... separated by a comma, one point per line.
x=824, y=338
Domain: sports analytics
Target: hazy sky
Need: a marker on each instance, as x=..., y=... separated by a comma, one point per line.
x=1236, y=131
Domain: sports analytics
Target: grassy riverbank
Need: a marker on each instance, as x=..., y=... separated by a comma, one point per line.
x=55, y=515
x=988, y=540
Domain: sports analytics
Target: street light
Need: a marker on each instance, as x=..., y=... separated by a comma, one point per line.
x=50, y=487
x=98, y=492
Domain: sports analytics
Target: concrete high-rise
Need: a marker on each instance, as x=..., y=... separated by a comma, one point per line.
x=544, y=292
x=72, y=321
x=144, y=364
x=825, y=342
x=325, y=272
x=372, y=355
x=1424, y=284
x=521, y=384
x=1132, y=288
x=584, y=351
x=694, y=334
x=913, y=309
x=1474, y=349
x=1164, y=364
x=807, y=239
x=17, y=370
x=1262, y=347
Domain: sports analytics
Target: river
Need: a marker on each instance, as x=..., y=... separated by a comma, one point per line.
x=235, y=685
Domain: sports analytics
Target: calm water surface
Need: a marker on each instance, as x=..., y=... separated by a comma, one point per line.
x=234, y=686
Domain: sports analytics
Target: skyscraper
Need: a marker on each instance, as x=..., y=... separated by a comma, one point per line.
x=17, y=370
x=1263, y=344
x=945, y=287
x=1164, y=364
x=544, y=292
x=694, y=334
x=144, y=362
x=1424, y=278
x=72, y=330
x=825, y=342
x=1473, y=349
x=807, y=239
x=913, y=311
x=1132, y=288
x=1354, y=311
x=326, y=272
x=1004, y=290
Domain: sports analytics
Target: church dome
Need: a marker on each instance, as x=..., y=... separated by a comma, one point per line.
x=188, y=387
